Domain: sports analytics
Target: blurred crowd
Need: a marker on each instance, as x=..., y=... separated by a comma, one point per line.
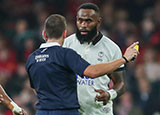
x=124, y=21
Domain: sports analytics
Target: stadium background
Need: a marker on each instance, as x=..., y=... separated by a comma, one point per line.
x=124, y=21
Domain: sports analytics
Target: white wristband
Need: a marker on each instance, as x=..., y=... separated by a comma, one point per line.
x=16, y=108
x=112, y=93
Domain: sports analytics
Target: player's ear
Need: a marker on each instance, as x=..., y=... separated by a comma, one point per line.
x=64, y=34
x=44, y=36
x=99, y=21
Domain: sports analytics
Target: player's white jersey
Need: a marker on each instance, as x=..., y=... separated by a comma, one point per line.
x=101, y=51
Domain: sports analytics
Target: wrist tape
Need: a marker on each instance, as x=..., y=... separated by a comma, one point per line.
x=16, y=108
x=112, y=93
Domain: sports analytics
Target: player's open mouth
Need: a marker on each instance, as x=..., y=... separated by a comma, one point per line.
x=84, y=33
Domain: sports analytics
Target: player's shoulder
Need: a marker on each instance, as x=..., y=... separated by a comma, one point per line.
x=70, y=38
x=113, y=49
x=70, y=41
x=109, y=42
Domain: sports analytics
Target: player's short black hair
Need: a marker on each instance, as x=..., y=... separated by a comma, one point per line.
x=55, y=25
x=89, y=6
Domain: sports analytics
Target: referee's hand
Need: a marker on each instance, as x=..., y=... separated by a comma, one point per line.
x=131, y=52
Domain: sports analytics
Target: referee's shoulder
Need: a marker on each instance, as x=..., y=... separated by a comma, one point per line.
x=30, y=60
x=32, y=54
x=66, y=49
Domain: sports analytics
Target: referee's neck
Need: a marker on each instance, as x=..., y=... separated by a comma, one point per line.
x=58, y=40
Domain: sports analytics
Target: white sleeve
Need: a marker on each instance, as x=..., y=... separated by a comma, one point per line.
x=118, y=54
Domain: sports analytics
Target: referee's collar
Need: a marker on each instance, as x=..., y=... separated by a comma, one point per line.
x=49, y=44
x=97, y=39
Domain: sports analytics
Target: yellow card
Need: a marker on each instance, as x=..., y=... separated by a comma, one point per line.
x=136, y=47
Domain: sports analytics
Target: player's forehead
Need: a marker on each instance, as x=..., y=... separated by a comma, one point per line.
x=86, y=13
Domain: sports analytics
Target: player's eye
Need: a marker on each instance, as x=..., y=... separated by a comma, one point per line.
x=88, y=20
x=80, y=20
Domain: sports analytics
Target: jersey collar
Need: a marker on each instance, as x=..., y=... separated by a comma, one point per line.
x=49, y=44
x=98, y=38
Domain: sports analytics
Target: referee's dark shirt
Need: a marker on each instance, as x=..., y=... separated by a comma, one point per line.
x=51, y=70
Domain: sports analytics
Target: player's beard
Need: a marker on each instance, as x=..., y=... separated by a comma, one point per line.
x=88, y=37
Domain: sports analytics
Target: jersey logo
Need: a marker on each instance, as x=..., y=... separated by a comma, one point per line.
x=41, y=58
x=100, y=55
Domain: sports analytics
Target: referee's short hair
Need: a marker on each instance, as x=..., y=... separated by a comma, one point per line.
x=89, y=6
x=54, y=26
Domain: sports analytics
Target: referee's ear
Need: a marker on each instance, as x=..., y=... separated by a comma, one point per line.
x=44, y=36
x=64, y=34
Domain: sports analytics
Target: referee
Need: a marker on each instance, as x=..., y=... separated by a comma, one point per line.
x=52, y=69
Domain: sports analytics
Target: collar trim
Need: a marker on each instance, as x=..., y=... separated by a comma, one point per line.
x=97, y=39
x=49, y=44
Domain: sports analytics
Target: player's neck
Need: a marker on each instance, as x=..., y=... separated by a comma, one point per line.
x=95, y=37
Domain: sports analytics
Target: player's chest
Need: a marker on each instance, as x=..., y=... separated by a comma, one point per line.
x=93, y=55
